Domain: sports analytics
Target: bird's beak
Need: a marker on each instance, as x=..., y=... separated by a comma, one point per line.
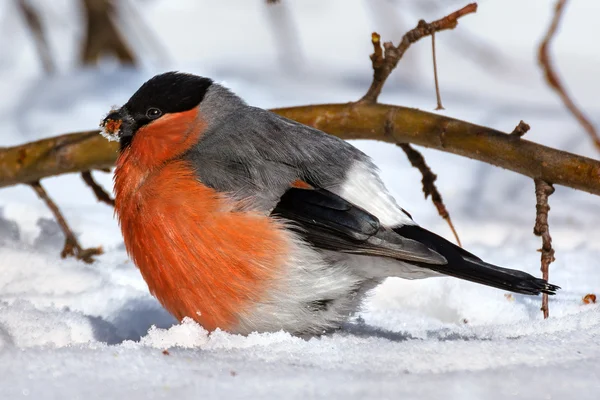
x=118, y=125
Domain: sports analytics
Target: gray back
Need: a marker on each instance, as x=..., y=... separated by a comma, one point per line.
x=249, y=152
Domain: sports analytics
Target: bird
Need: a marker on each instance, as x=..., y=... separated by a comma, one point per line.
x=246, y=221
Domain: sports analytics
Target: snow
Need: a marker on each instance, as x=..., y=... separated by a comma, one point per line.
x=72, y=330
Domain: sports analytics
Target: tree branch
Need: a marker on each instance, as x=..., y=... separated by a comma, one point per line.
x=553, y=79
x=543, y=190
x=72, y=246
x=429, y=189
x=367, y=121
x=385, y=62
x=54, y=156
x=100, y=193
x=87, y=150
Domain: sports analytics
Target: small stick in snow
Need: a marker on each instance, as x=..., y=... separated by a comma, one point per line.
x=429, y=189
x=435, y=75
x=100, y=193
x=72, y=247
x=543, y=190
x=384, y=62
x=554, y=81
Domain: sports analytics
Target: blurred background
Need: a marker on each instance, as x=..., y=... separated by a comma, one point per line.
x=64, y=63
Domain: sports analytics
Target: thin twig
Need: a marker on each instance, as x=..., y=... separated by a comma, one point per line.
x=435, y=75
x=102, y=33
x=377, y=56
x=100, y=193
x=543, y=190
x=429, y=189
x=521, y=129
x=385, y=64
x=418, y=161
x=72, y=247
x=553, y=79
x=39, y=38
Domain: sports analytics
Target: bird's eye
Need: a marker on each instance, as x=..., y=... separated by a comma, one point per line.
x=153, y=113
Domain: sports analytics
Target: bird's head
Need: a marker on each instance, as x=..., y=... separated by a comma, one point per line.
x=162, y=113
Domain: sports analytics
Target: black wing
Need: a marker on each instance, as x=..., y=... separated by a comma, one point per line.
x=329, y=222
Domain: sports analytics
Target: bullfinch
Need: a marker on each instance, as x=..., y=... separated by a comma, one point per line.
x=247, y=221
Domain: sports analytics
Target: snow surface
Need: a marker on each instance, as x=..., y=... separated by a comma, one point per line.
x=70, y=330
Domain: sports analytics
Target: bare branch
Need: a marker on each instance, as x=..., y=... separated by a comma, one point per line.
x=553, y=79
x=543, y=190
x=54, y=156
x=100, y=193
x=367, y=121
x=429, y=189
x=435, y=75
x=72, y=247
x=387, y=62
x=89, y=151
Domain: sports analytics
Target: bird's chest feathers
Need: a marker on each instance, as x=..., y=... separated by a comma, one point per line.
x=163, y=199
x=159, y=213
x=200, y=259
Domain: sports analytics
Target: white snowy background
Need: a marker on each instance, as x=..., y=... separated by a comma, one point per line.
x=70, y=330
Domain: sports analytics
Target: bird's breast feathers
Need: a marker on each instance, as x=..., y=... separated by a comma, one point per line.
x=199, y=259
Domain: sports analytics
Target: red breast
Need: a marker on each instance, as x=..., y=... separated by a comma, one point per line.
x=199, y=258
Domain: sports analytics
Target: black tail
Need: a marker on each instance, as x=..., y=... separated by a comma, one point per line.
x=502, y=278
x=464, y=265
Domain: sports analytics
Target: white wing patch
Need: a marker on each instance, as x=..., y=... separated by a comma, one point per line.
x=364, y=188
